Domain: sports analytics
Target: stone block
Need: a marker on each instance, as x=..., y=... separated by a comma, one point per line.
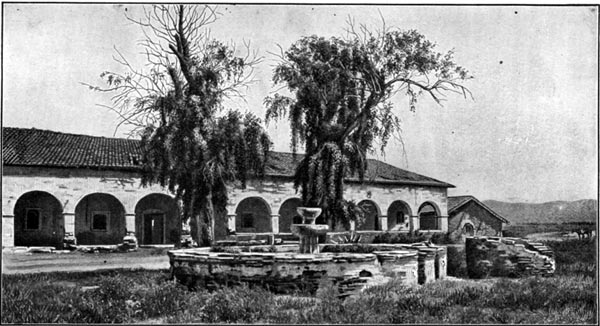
x=513, y=257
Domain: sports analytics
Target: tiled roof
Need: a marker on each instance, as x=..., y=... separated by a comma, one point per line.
x=455, y=202
x=34, y=147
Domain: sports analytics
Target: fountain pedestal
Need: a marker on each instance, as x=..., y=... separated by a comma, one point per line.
x=308, y=231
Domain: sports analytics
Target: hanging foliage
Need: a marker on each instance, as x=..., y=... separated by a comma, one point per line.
x=341, y=102
x=190, y=144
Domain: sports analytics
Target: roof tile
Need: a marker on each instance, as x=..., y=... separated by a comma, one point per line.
x=35, y=147
x=455, y=202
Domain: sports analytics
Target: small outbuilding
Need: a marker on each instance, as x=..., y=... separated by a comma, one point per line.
x=467, y=216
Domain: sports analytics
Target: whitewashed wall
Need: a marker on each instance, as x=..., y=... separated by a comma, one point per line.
x=69, y=186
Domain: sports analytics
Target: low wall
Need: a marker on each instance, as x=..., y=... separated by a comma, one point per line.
x=433, y=259
x=512, y=257
x=285, y=271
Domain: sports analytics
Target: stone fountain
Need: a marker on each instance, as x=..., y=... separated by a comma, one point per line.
x=289, y=268
x=308, y=231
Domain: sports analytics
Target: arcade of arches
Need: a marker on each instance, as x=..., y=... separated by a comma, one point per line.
x=100, y=218
x=100, y=208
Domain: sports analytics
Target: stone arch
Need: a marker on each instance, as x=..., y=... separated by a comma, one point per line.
x=398, y=216
x=428, y=216
x=467, y=229
x=253, y=214
x=288, y=214
x=99, y=220
x=156, y=219
x=38, y=220
x=372, y=214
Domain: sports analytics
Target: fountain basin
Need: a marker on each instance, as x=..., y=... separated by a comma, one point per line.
x=287, y=272
x=309, y=229
x=309, y=214
x=308, y=232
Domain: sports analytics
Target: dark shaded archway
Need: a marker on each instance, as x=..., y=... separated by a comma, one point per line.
x=398, y=216
x=468, y=230
x=288, y=214
x=38, y=220
x=156, y=220
x=99, y=220
x=253, y=215
x=371, y=221
x=428, y=217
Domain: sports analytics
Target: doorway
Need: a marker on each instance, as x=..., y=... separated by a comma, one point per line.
x=154, y=228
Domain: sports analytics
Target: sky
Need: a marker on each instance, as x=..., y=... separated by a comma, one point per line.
x=530, y=133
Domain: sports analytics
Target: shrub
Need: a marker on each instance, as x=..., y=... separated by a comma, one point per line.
x=351, y=237
x=239, y=304
x=456, y=261
x=411, y=237
x=355, y=248
x=163, y=299
x=441, y=238
x=573, y=251
x=140, y=296
x=574, y=257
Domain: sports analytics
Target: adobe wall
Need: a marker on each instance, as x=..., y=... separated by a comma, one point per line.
x=70, y=186
x=484, y=223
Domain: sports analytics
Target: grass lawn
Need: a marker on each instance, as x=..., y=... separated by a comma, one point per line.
x=139, y=296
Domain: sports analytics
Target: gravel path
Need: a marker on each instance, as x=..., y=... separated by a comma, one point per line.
x=21, y=263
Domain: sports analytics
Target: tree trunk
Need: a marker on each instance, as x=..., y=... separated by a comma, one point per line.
x=200, y=230
x=180, y=220
x=200, y=223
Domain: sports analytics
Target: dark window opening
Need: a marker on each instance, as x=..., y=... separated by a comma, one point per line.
x=32, y=219
x=400, y=218
x=100, y=222
x=429, y=221
x=247, y=220
x=468, y=230
x=428, y=217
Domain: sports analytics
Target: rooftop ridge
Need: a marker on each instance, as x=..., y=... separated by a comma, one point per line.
x=67, y=133
x=49, y=148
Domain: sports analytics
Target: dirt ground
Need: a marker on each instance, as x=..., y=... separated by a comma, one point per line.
x=554, y=236
x=18, y=263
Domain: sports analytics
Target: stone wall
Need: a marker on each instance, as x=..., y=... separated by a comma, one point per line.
x=283, y=269
x=289, y=272
x=482, y=221
x=512, y=257
x=70, y=186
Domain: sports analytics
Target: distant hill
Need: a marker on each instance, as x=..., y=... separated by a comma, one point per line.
x=585, y=210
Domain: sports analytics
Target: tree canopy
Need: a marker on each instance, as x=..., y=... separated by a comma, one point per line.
x=190, y=143
x=341, y=103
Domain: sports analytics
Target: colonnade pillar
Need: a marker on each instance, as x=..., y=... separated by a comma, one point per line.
x=383, y=223
x=275, y=223
x=231, y=222
x=414, y=223
x=8, y=231
x=130, y=223
x=69, y=219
